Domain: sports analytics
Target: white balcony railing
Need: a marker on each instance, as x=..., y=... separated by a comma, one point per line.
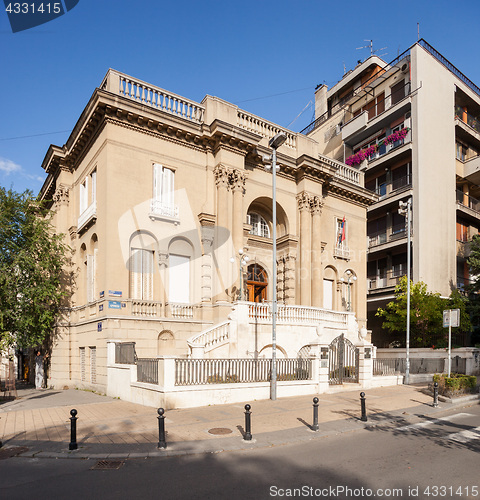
x=341, y=251
x=262, y=311
x=89, y=214
x=160, y=209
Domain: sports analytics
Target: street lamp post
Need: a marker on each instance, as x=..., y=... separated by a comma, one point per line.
x=243, y=260
x=405, y=208
x=274, y=143
x=350, y=279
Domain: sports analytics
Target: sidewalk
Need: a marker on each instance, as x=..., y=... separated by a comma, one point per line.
x=38, y=422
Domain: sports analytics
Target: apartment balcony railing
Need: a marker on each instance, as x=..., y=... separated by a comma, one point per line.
x=392, y=233
x=387, y=188
x=401, y=182
x=150, y=95
x=386, y=279
x=385, y=149
x=470, y=120
x=468, y=201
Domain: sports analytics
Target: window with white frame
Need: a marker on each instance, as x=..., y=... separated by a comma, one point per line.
x=88, y=191
x=341, y=233
x=259, y=225
x=179, y=279
x=141, y=274
x=163, y=202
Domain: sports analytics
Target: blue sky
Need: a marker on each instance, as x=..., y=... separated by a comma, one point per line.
x=265, y=56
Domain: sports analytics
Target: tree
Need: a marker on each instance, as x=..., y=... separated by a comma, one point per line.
x=33, y=281
x=473, y=290
x=426, y=315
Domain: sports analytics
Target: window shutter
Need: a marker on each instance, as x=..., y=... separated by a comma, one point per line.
x=94, y=186
x=157, y=181
x=168, y=187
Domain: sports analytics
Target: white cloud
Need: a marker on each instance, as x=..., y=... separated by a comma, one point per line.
x=8, y=166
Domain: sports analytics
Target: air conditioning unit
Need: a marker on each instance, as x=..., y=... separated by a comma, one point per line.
x=404, y=68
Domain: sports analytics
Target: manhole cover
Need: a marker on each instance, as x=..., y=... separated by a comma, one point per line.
x=219, y=431
x=12, y=452
x=108, y=465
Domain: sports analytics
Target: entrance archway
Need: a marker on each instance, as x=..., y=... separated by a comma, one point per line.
x=257, y=282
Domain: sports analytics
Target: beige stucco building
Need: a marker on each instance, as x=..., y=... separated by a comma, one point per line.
x=412, y=127
x=156, y=195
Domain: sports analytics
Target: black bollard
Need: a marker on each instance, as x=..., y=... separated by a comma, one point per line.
x=73, y=430
x=435, y=394
x=162, y=443
x=248, y=430
x=364, y=410
x=315, y=415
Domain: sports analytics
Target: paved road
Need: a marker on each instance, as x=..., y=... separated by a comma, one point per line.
x=398, y=456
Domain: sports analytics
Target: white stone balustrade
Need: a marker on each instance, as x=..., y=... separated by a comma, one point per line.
x=294, y=314
x=264, y=128
x=211, y=337
x=153, y=96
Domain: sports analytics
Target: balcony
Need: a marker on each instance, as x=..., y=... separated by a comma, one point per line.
x=386, y=279
x=164, y=211
x=389, y=235
x=341, y=252
x=472, y=121
x=468, y=204
x=88, y=216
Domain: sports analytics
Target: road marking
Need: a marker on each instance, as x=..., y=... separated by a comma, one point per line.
x=434, y=421
x=465, y=436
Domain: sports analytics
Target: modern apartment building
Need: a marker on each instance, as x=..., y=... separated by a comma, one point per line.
x=157, y=194
x=412, y=127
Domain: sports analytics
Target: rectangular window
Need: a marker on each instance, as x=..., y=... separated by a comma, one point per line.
x=83, y=196
x=398, y=92
x=461, y=152
x=82, y=364
x=141, y=274
x=93, y=365
x=88, y=191
x=163, y=191
x=327, y=294
x=341, y=233
x=179, y=279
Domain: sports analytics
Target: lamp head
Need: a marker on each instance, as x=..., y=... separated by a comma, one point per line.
x=276, y=141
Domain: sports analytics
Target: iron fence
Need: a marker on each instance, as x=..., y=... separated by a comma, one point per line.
x=125, y=353
x=226, y=371
x=397, y=366
x=147, y=370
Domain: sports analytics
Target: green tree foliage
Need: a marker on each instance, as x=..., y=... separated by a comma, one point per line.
x=426, y=315
x=473, y=291
x=33, y=283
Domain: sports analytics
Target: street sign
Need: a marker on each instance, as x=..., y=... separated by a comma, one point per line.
x=451, y=317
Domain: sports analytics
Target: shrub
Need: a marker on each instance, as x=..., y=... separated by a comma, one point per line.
x=456, y=384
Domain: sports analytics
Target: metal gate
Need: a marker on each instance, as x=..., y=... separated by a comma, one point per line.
x=342, y=361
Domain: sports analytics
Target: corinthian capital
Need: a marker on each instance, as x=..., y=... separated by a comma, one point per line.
x=317, y=204
x=237, y=180
x=304, y=200
x=221, y=176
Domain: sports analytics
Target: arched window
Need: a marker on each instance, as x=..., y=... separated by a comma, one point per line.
x=257, y=282
x=259, y=225
x=141, y=266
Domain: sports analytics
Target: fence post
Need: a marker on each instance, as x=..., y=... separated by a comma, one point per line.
x=73, y=430
x=435, y=394
x=315, y=415
x=248, y=430
x=161, y=429
x=364, y=410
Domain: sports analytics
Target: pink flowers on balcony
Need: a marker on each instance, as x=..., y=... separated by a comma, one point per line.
x=363, y=154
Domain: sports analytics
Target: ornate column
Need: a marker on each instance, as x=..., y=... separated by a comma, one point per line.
x=207, y=242
x=317, y=274
x=304, y=273
x=237, y=182
x=221, y=259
